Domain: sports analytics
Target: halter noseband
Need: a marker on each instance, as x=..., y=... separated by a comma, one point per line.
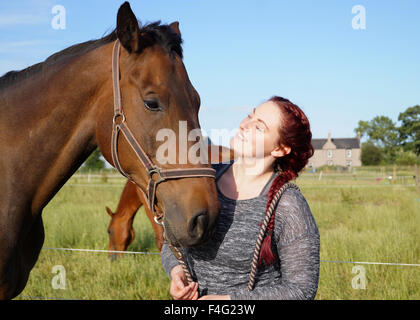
x=119, y=124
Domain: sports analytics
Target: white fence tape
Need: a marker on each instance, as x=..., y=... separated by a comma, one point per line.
x=157, y=253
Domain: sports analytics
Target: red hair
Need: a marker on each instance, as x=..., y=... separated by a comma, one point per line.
x=295, y=132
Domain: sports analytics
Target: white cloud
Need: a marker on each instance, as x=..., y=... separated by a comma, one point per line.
x=20, y=44
x=36, y=12
x=29, y=48
x=22, y=19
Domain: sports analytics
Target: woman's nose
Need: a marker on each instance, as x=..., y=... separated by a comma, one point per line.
x=245, y=124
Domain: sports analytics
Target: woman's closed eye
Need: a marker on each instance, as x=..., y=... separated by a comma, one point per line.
x=258, y=126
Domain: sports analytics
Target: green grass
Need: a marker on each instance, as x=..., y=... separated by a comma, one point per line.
x=368, y=225
x=359, y=218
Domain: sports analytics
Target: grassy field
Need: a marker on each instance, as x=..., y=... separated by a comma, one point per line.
x=360, y=218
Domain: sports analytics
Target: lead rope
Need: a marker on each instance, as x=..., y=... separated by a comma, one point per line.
x=177, y=253
x=263, y=230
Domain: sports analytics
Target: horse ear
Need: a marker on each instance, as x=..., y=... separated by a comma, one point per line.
x=175, y=27
x=128, y=30
x=109, y=212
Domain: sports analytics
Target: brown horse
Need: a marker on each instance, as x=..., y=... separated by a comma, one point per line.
x=54, y=115
x=120, y=230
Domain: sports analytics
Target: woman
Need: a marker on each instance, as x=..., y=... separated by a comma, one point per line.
x=289, y=259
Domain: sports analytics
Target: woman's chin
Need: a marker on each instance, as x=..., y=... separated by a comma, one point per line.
x=236, y=145
x=232, y=144
x=240, y=147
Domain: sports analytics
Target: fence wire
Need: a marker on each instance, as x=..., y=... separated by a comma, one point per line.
x=158, y=253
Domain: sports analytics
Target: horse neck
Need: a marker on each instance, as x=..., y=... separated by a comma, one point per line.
x=129, y=201
x=52, y=121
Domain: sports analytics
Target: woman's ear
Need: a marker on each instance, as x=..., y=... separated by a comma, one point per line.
x=281, y=151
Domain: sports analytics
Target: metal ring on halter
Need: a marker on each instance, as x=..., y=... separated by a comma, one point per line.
x=117, y=115
x=156, y=170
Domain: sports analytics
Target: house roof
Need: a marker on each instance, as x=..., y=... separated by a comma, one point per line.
x=340, y=143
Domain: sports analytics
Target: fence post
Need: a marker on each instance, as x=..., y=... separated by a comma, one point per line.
x=416, y=176
x=394, y=174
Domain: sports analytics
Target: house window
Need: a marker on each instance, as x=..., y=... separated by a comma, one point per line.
x=348, y=163
x=330, y=163
x=348, y=153
x=329, y=153
x=310, y=165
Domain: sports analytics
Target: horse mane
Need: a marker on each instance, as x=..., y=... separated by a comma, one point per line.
x=151, y=34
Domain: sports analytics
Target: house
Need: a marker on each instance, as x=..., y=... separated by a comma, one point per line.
x=336, y=152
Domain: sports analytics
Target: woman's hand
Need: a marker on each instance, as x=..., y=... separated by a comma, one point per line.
x=180, y=289
x=215, y=297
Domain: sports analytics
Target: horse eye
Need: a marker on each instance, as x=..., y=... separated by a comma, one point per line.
x=152, y=105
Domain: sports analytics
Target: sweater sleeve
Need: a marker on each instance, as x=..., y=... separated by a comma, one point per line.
x=298, y=247
x=168, y=260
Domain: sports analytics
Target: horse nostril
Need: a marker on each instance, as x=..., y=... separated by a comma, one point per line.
x=197, y=226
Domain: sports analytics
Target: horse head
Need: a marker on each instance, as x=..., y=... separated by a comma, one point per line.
x=157, y=96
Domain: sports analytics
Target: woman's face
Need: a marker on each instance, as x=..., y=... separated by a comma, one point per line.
x=258, y=135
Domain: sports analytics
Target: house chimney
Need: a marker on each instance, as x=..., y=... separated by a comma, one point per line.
x=329, y=136
x=358, y=135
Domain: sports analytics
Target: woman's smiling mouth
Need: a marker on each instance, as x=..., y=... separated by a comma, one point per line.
x=241, y=136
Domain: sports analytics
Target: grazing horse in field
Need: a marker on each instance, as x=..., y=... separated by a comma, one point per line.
x=56, y=113
x=120, y=230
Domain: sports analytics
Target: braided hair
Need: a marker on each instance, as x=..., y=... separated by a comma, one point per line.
x=294, y=132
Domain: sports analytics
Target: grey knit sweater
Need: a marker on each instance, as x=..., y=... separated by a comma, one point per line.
x=223, y=264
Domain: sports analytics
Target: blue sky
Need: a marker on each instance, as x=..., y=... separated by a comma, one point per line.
x=240, y=53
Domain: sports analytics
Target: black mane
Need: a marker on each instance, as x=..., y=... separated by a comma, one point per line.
x=162, y=35
x=151, y=34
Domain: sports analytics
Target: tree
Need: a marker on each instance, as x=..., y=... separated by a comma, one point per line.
x=406, y=158
x=94, y=162
x=363, y=127
x=410, y=129
x=371, y=155
x=383, y=133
